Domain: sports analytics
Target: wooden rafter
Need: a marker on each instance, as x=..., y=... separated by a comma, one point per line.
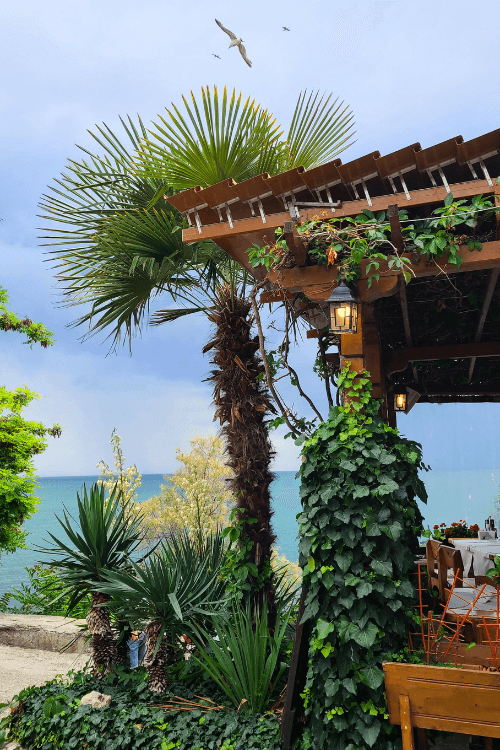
x=492, y=282
x=401, y=359
x=350, y=208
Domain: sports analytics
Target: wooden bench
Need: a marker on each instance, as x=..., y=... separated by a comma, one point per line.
x=461, y=701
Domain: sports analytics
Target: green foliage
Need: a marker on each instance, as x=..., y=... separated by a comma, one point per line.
x=245, y=661
x=103, y=538
x=179, y=585
x=35, y=333
x=52, y=719
x=20, y=440
x=349, y=240
x=222, y=137
x=358, y=526
x=42, y=595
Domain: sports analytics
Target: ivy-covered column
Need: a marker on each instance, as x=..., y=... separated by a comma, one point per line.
x=359, y=529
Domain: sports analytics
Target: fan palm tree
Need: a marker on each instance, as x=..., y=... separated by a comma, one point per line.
x=106, y=538
x=174, y=592
x=118, y=247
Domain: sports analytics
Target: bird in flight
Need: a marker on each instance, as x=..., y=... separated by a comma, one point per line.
x=235, y=42
x=217, y=56
x=285, y=28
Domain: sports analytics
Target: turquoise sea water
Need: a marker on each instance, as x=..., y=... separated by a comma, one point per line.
x=461, y=493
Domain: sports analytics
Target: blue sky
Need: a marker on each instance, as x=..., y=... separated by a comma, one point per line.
x=410, y=71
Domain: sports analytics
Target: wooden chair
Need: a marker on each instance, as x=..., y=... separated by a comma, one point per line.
x=449, y=558
x=431, y=554
x=461, y=701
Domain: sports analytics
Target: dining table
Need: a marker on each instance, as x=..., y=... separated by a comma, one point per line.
x=477, y=555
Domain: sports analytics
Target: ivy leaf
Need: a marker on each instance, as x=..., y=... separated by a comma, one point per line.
x=373, y=677
x=324, y=628
x=369, y=733
x=311, y=565
x=372, y=527
x=449, y=199
x=347, y=466
x=351, y=580
x=343, y=560
x=364, y=589
x=386, y=458
x=366, y=637
x=350, y=685
x=383, y=568
x=361, y=491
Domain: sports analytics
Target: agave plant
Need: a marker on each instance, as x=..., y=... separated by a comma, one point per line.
x=174, y=591
x=245, y=660
x=102, y=539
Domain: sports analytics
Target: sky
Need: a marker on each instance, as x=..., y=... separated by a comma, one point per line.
x=411, y=72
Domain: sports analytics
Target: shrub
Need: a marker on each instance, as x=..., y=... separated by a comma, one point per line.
x=50, y=718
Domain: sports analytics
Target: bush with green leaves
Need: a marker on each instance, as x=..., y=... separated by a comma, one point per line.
x=42, y=596
x=50, y=718
x=359, y=528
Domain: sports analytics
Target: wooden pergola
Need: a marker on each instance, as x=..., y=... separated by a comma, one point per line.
x=438, y=336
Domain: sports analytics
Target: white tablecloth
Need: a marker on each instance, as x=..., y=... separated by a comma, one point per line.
x=477, y=553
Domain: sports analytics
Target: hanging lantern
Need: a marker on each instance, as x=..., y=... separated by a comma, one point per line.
x=343, y=310
x=400, y=400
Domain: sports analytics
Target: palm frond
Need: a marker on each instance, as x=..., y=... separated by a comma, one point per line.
x=320, y=130
x=207, y=142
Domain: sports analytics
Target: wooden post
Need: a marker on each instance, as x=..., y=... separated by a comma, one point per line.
x=293, y=707
x=362, y=349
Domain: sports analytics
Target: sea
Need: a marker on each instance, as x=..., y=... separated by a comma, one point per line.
x=469, y=494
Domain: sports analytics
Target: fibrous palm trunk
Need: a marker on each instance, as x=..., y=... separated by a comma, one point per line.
x=102, y=642
x=156, y=665
x=242, y=403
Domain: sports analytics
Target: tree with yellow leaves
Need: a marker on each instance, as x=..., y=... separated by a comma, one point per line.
x=196, y=497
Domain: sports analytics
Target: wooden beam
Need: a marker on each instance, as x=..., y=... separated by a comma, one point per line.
x=459, y=399
x=460, y=390
x=295, y=243
x=492, y=282
x=406, y=319
x=401, y=359
x=350, y=208
x=317, y=282
x=396, y=236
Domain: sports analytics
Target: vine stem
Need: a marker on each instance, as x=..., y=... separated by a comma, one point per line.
x=321, y=346
x=269, y=379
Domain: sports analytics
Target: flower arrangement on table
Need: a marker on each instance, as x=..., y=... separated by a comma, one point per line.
x=458, y=530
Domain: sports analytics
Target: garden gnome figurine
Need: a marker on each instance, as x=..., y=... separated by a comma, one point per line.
x=136, y=648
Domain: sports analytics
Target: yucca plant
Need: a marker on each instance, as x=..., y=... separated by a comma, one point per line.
x=246, y=660
x=174, y=592
x=102, y=539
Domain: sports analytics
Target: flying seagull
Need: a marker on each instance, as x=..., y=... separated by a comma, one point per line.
x=235, y=42
x=285, y=28
x=217, y=56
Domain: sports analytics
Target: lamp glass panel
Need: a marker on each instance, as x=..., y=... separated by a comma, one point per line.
x=343, y=317
x=400, y=401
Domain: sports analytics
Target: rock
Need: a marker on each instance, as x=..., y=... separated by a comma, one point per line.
x=95, y=699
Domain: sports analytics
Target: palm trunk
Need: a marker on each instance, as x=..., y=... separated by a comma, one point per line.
x=156, y=665
x=242, y=402
x=103, y=644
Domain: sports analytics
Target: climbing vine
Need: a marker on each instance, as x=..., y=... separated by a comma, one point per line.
x=358, y=527
x=347, y=241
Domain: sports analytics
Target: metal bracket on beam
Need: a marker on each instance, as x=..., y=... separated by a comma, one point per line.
x=317, y=204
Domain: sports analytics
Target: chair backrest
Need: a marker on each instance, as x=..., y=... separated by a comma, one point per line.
x=431, y=554
x=442, y=698
x=447, y=558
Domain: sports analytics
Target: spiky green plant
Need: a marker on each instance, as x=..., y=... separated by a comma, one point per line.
x=245, y=660
x=101, y=539
x=174, y=592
